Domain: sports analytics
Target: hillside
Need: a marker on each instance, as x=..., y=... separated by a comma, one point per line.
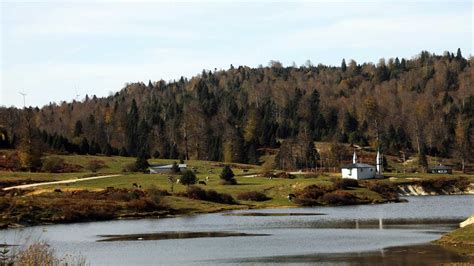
x=423, y=105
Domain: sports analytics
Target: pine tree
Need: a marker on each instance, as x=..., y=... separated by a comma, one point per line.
x=141, y=164
x=343, y=65
x=188, y=178
x=78, y=128
x=422, y=160
x=227, y=176
x=84, y=146
x=458, y=54
x=132, y=128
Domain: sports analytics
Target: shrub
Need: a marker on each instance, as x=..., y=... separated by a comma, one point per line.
x=310, y=195
x=194, y=192
x=42, y=254
x=443, y=183
x=95, y=165
x=227, y=176
x=188, y=178
x=384, y=188
x=285, y=175
x=339, y=198
x=252, y=196
x=345, y=183
x=53, y=164
x=131, y=167
x=175, y=168
x=141, y=164
x=462, y=183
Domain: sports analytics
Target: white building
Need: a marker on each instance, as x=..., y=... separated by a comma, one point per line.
x=361, y=171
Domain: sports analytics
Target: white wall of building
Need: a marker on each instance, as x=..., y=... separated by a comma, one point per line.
x=358, y=173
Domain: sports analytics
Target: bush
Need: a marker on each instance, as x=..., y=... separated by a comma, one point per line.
x=175, y=168
x=345, y=183
x=227, y=176
x=188, y=178
x=53, y=164
x=156, y=195
x=131, y=167
x=198, y=193
x=443, y=183
x=339, y=198
x=384, y=188
x=95, y=165
x=42, y=254
x=310, y=195
x=252, y=196
x=285, y=175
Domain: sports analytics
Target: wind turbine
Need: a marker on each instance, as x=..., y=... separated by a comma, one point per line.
x=77, y=95
x=24, y=96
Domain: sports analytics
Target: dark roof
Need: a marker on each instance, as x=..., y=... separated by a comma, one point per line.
x=441, y=167
x=358, y=165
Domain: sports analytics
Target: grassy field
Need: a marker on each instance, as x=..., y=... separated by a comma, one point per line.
x=460, y=240
x=247, y=176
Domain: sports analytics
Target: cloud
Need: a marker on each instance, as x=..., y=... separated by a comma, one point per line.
x=51, y=46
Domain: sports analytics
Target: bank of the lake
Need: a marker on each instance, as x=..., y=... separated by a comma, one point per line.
x=460, y=240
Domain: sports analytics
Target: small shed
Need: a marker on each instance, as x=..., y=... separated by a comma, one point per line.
x=358, y=171
x=165, y=168
x=441, y=169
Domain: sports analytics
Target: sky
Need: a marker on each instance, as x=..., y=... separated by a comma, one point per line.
x=62, y=50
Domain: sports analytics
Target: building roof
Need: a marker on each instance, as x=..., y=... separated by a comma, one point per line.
x=358, y=165
x=441, y=167
x=166, y=166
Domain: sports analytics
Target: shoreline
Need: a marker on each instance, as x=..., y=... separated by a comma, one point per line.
x=175, y=213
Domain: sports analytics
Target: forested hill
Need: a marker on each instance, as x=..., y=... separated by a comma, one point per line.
x=420, y=105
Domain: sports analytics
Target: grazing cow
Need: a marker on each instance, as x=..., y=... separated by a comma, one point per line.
x=291, y=196
x=202, y=183
x=57, y=190
x=178, y=180
x=207, y=179
x=135, y=185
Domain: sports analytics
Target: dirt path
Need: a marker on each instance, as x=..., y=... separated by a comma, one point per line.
x=59, y=182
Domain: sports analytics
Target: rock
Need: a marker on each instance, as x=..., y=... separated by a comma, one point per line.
x=467, y=222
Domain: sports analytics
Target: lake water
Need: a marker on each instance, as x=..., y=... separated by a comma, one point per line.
x=341, y=235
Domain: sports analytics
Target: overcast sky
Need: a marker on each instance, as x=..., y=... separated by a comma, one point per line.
x=50, y=50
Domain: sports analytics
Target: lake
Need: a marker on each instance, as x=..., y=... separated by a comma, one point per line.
x=328, y=235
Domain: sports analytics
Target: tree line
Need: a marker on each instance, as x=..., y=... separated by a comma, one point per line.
x=422, y=105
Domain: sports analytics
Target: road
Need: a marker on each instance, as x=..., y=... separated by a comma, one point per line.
x=59, y=182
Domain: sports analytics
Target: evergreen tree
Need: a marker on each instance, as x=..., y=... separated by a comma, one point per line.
x=132, y=128
x=141, y=164
x=343, y=65
x=175, y=168
x=78, y=128
x=84, y=146
x=227, y=176
x=422, y=160
x=458, y=54
x=188, y=178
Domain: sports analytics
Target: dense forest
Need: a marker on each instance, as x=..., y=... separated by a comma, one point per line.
x=423, y=106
